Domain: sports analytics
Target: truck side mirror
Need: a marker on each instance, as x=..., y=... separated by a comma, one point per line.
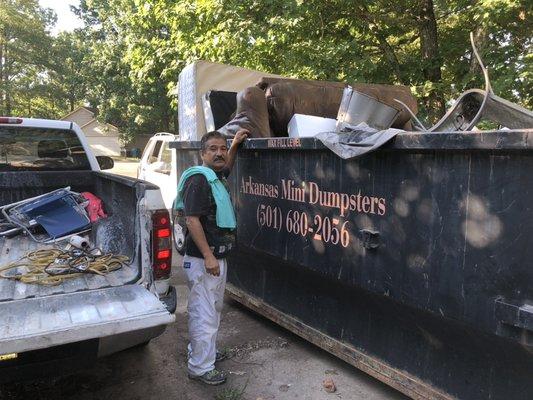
x=105, y=162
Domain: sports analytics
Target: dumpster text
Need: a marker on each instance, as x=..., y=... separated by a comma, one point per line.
x=311, y=193
x=321, y=228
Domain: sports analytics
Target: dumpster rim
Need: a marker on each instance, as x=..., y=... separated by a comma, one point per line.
x=494, y=140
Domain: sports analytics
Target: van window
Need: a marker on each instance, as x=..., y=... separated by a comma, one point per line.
x=41, y=149
x=146, y=150
x=154, y=155
x=166, y=154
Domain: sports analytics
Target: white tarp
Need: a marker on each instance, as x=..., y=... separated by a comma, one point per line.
x=198, y=78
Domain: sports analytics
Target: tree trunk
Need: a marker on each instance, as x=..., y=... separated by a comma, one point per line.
x=2, y=89
x=431, y=61
x=7, y=95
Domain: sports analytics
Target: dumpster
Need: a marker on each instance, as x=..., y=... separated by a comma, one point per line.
x=412, y=263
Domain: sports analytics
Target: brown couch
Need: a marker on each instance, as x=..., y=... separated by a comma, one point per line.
x=266, y=109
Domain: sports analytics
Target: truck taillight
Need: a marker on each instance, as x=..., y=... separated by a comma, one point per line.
x=163, y=233
x=10, y=120
x=161, y=244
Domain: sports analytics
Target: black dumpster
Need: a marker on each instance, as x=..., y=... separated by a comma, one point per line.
x=412, y=263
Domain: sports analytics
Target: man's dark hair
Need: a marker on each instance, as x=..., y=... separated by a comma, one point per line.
x=209, y=136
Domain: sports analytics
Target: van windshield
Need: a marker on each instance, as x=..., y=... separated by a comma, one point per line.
x=40, y=149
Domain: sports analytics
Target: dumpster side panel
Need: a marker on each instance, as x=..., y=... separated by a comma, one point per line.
x=442, y=356
x=415, y=261
x=431, y=230
x=403, y=255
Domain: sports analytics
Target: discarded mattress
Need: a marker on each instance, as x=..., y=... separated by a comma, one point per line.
x=198, y=78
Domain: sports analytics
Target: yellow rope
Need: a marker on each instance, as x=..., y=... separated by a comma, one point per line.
x=36, y=263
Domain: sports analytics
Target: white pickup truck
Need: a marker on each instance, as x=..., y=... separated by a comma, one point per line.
x=44, y=327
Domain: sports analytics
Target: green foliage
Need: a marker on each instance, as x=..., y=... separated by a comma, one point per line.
x=69, y=66
x=125, y=82
x=127, y=59
x=371, y=41
x=25, y=58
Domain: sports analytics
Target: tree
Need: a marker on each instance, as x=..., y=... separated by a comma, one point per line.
x=24, y=58
x=127, y=58
x=423, y=44
x=128, y=93
x=68, y=76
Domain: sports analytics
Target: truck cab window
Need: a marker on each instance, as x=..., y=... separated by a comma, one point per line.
x=41, y=149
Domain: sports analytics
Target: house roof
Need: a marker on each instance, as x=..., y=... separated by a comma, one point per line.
x=98, y=122
x=93, y=111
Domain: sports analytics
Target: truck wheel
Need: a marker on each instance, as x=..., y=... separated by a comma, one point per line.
x=178, y=234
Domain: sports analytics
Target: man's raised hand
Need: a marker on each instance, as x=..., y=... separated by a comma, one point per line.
x=241, y=136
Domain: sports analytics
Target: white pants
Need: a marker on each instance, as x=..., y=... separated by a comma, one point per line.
x=206, y=298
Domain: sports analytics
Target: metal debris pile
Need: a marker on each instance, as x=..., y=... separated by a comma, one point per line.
x=47, y=218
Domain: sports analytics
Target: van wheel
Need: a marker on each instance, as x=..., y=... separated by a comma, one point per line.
x=178, y=235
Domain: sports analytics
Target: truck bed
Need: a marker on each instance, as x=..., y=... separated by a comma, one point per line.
x=120, y=196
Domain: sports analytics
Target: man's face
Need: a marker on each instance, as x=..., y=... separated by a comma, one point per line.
x=216, y=153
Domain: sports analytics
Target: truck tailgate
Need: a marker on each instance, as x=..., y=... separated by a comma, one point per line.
x=35, y=323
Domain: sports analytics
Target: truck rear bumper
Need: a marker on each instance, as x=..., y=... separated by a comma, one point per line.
x=72, y=357
x=38, y=323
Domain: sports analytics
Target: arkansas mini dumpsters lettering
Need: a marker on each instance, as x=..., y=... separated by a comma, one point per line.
x=310, y=192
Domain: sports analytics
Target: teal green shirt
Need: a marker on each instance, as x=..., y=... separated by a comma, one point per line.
x=225, y=215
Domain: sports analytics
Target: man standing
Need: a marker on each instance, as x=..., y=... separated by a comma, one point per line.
x=210, y=237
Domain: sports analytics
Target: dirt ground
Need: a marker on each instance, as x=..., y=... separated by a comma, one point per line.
x=267, y=363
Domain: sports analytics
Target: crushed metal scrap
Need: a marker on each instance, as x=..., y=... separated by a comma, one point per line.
x=475, y=105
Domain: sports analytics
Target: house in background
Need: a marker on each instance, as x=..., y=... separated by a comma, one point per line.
x=103, y=138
